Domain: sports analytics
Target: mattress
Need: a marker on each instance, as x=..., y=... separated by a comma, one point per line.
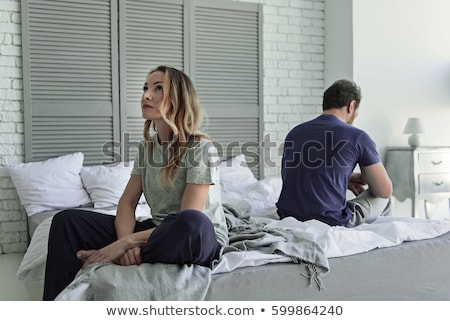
x=415, y=270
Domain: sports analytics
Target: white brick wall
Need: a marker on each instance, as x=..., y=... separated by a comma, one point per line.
x=294, y=39
x=293, y=85
x=13, y=228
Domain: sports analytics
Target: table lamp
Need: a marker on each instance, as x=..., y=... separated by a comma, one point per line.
x=414, y=127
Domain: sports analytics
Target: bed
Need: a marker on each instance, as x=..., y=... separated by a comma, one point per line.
x=394, y=258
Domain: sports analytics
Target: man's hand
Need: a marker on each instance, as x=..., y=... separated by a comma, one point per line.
x=357, y=183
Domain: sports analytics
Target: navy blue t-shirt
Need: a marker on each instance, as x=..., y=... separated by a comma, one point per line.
x=318, y=159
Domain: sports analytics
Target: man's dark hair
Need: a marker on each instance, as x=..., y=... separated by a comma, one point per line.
x=340, y=94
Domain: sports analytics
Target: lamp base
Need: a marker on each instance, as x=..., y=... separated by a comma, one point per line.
x=414, y=140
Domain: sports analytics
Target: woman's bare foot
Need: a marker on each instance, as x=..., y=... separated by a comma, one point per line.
x=83, y=255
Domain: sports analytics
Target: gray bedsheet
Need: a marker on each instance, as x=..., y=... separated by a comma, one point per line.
x=415, y=270
x=36, y=219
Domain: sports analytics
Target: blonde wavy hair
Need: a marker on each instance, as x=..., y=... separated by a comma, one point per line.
x=181, y=110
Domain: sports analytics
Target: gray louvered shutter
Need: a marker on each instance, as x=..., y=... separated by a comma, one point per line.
x=69, y=72
x=151, y=34
x=225, y=66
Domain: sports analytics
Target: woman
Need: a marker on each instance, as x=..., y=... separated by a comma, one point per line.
x=175, y=170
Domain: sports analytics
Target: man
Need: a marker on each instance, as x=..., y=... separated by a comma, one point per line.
x=318, y=165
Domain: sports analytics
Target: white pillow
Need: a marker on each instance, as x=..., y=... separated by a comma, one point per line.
x=106, y=183
x=51, y=184
x=256, y=199
x=235, y=174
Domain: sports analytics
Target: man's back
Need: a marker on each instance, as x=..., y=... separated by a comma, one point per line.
x=319, y=158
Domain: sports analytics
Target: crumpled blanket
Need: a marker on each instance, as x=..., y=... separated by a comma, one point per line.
x=300, y=245
x=145, y=282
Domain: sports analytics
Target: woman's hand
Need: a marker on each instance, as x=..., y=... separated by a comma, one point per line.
x=110, y=253
x=124, y=251
x=131, y=257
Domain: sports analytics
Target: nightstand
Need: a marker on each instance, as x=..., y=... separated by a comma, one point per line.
x=421, y=174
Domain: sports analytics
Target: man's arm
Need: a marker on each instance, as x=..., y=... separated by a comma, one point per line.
x=377, y=179
x=357, y=184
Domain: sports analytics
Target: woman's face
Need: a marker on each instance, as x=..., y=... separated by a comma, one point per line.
x=152, y=96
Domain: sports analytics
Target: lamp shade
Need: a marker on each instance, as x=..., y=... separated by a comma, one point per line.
x=414, y=126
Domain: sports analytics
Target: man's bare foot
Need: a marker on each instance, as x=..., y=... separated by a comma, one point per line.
x=83, y=255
